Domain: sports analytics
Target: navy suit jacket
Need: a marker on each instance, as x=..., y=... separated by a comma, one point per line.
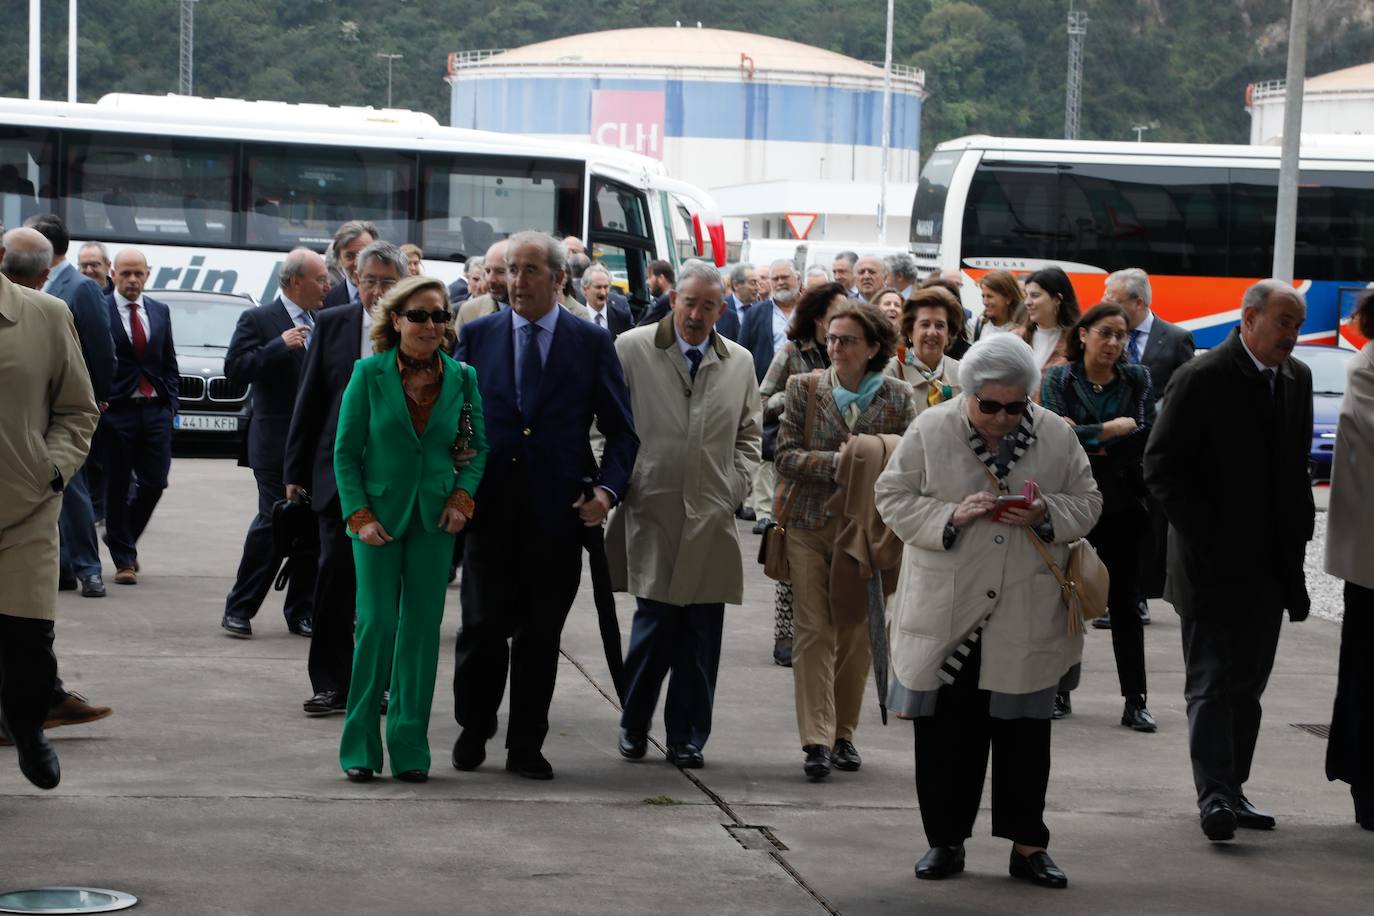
x=259, y=357
x=159, y=360
x=458, y=291
x=87, y=302
x=756, y=335
x=1167, y=347
x=544, y=453
x=335, y=346
x=618, y=318
x=337, y=295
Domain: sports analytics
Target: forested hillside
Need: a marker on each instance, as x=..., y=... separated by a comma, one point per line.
x=993, y=66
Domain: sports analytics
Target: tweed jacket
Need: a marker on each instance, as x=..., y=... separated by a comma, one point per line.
x=1350, y=517
x=809, y=468
x=991, y=571
x=793, y=359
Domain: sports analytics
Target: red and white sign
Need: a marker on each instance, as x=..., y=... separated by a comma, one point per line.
x=628, y=120
x=800, y=224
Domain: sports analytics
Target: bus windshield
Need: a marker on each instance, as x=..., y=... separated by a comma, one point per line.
x=928, y=210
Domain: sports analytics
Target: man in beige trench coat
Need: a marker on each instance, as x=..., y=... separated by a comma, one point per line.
x=45, y=432
x=696, y=405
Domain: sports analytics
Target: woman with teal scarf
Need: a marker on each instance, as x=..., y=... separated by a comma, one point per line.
x=410, y=452
x=830, y=652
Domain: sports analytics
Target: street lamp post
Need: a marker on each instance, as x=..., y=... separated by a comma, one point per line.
x=389, y=58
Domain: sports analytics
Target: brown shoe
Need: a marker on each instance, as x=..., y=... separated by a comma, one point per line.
x=126, y=575
x=75, y=710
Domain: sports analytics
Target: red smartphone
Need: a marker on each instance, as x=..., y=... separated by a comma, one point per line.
x=1022, y=500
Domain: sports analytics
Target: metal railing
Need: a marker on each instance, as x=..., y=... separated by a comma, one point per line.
x=903, y=72
x=468, y=58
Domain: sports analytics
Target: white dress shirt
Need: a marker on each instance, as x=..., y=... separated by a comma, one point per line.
x=122, y=306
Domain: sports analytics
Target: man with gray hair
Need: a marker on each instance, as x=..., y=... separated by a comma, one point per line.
x=349, y=241
x=843, y=270
x=605, y=311
x=1161, y=347
x=699, y=455
x=816, y=275
x=27, y=257
x=868, y=277
x=901, y=273
x=764, y=333
x=342, y=336
x=744, y=290
x=1228, y=462
x=93, y=260
x=267, y=352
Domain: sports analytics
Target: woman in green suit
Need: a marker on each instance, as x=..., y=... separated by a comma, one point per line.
x=409, y=455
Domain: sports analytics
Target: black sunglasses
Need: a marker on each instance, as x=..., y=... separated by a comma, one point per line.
x=420, y=316
x=1013, y=409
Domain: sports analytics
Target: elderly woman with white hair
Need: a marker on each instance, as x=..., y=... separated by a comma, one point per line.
x=979, y=635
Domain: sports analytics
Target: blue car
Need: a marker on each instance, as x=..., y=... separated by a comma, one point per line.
x=1328, y=387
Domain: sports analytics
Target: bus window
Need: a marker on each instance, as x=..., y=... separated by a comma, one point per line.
x=1012, y=212
x=618, y=208
x=26, y=174
x=299, y=195
x=1335, y=235
x=1254, y=195
x=629, y=269
x=156, y=190
x=928, y=210
x=468, y=206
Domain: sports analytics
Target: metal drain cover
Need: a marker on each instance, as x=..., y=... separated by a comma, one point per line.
x=65, y=900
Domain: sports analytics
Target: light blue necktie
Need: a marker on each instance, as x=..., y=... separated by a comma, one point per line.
x=308, y=322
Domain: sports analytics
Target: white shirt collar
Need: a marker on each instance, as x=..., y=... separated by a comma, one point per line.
x=124, y=303
x=683, y=346
x=548, y=322
x=292, y=309
x=1145, y=325
x=1258, y=365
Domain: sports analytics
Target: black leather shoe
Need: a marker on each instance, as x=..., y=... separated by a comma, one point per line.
x=1136, y=716
x=529, y=764
x=745, y=514
x=92, y=586
x=1063, y=706
x=1103, y=623
x=782, y=652
x=940, y=862
x=817, y=764
x=633, y=745
x=761, y=525
x=325, y=703
x=1144, y=610
x=469, y=750
x=386, y=701
x=358, y=774
x=413, y=776
x=1218, y=820
x=302, y=628
x=687, y=756
x=237, y=627
x=1037, y=868
x=67, y=583
x=1252, y=818
x=38, y=761
x=845, y=756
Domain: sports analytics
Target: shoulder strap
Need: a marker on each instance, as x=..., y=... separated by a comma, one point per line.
x=810, y=380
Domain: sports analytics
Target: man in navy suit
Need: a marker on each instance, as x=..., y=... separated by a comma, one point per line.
x=349, y=241
x=267, y=352
x=544, y=376
x=143, y=403
x=80, y=555
x=744, y=293
x=605, y=311
x=342, y=336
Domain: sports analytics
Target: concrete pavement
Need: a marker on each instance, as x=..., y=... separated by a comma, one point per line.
x=209, y=792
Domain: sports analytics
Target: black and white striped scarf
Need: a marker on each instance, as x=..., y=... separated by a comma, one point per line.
x=1022, y=440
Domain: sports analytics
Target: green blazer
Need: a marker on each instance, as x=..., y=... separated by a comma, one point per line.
x=382, y=465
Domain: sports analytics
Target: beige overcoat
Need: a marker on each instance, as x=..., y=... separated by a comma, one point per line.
x=673, y=536
x=46, y=423
x=1350, y=515
x=992, y=568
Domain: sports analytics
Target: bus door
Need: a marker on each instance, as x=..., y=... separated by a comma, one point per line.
x=620, y=236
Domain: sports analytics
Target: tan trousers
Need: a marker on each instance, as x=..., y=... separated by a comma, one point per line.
x=829, y=663
x=761, y=490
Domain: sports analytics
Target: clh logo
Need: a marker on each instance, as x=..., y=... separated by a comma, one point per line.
x=628, y=120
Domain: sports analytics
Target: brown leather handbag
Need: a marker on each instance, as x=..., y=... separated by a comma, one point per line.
x=773, y=548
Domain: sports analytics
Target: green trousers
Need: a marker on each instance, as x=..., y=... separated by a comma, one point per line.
x=401, y=590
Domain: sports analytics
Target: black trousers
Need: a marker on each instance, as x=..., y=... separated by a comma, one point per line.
x=260, y=561
x=331, y=648
x=1118, y=539
x=519, y=583
x=683, y=640
x=28, y=673
x=1154, y=552
x=1227, y=664
x=952, y=761
x=95, y=470
x=1350, y=751
x=139, y=441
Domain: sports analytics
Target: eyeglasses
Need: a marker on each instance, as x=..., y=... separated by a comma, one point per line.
x=369, y=282
x=1013, y=408
x=1108, y=334
x=842, y=340
x=420, y=316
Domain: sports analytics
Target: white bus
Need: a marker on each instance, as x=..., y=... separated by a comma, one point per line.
x=216, y=191
x=1198, y=218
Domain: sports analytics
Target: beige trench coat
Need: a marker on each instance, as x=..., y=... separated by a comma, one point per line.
x=47, y=421
x=992, y=568
x=673, y=537
x=1350, y=515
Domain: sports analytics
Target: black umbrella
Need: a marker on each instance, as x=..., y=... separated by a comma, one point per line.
x=594, y=541
x=877, y=639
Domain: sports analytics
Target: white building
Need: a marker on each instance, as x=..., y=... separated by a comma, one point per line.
x=1340, y=102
